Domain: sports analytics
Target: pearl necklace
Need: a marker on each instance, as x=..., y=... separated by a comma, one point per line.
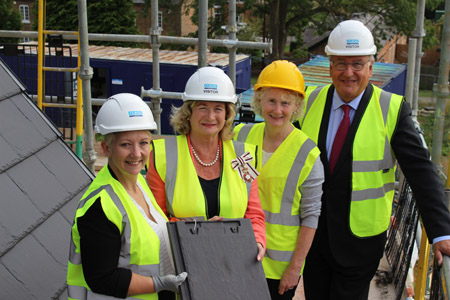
x=205, y=164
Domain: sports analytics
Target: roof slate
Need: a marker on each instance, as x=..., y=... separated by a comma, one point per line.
x=41, y=182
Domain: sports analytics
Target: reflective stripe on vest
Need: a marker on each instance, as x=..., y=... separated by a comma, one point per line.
x=173, y=160
x=373, y=164
x=284, y=217
x=281, y=203
x=116, y=212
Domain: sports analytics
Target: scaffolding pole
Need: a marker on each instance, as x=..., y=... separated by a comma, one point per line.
x=232, y=30
x=155, y=33
x=85, y=73
x=440, y=90
x=69, y=35
x=418, y=34
x=202, y=32
x=412, y=46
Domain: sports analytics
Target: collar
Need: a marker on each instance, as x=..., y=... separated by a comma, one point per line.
x=337, y=101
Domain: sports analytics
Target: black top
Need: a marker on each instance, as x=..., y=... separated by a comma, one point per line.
x=100, y=244
x=210, y=189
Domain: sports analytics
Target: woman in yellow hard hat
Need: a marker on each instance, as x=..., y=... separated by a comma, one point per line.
x=291, y=175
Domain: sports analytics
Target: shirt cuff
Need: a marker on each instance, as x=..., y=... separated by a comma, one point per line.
x=441, y=238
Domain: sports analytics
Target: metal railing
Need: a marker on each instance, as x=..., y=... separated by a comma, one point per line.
x=401, y=237
x=405, y=232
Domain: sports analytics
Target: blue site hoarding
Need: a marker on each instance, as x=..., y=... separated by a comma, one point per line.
x=119, y=70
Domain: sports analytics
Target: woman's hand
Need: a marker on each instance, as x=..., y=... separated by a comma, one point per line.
x=261, y=252
x=168, y=282
x=289, y=280
x=216, y=218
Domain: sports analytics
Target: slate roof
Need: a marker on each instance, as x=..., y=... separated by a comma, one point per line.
x=41, y=182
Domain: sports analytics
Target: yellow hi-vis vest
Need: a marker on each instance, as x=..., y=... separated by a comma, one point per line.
x=373, y=162
x=279, y=182
x=184, y=194
x=140, y=244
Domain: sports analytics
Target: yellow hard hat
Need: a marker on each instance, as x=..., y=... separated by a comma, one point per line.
x=282, y=74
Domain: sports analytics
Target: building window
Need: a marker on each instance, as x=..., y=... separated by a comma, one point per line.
x=216, y=11
x=25, y=12
x=160, y=19
x=240, y=21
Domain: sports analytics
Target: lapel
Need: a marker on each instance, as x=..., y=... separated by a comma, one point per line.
x=346, y=148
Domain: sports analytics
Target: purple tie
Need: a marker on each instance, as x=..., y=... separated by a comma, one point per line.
x=339, y=139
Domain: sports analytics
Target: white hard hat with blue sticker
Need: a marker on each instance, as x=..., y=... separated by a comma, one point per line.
x=124, y=112
x=210, y=84
x=350, y=38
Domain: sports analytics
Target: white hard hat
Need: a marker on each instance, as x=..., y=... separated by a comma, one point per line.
x=124, y=112
x=350, y=38
x=209, y=84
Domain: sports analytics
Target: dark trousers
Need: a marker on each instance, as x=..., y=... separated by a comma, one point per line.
x=273, y=288
x=166, y=295
x=324, y=279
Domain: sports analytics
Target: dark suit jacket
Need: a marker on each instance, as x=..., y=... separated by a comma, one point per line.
x=334, y=230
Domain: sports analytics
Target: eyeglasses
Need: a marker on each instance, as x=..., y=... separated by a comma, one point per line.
x=342, y=66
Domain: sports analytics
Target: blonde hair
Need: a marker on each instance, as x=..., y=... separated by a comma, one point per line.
x=179, y=119
x=107, y=137
x=284, y=95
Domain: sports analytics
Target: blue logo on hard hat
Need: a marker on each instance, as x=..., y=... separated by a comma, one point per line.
x=352, y=43
x=135, y=113
x=210, y=88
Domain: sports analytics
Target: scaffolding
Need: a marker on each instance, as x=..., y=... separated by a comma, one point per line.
x=56, y=43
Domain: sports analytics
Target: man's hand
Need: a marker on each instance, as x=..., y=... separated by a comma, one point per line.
x=440, y=248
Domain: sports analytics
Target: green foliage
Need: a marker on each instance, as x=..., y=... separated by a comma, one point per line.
x=10, y=19
x=104, y=16
x=251, y=32
x=299, y=53
x=291, y=17
x=431, y=39
x=426, y=121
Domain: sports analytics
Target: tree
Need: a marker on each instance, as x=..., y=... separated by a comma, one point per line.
x=9, y=19
x=104, y=16
x=292, y=16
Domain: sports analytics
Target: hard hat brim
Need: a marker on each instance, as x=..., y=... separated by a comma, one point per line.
x=259, y=86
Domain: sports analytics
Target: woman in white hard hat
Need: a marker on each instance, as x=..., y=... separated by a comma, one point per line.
x=201, y=173
x=119, y=246
x=291, y=175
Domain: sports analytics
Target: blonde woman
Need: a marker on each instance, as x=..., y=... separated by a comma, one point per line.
x=291, y=175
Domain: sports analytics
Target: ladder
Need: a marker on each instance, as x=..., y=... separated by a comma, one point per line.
x=42, y=34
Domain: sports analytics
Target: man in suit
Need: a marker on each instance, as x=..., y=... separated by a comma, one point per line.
x=360, y=143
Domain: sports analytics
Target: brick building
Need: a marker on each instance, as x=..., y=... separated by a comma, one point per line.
x=25, y=9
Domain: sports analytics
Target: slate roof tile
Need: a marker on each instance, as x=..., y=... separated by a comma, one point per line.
x=41, y=182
